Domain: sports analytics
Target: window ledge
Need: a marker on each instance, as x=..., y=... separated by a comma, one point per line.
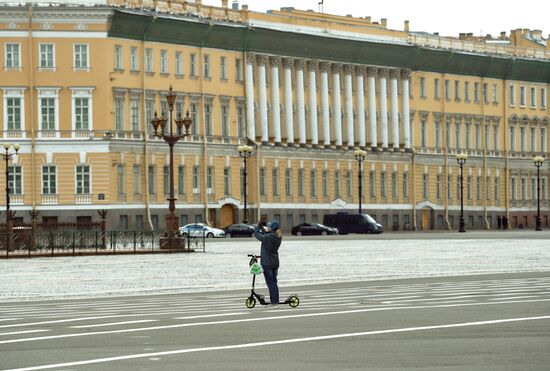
x=46, y=69
x=10, y=69
x=150, y=73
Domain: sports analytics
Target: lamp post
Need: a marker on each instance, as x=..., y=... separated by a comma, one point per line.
x=245, y=152
x=360, y=156
x=461, y=159
x=7, y=157
x=171, y=138
x=538, y=160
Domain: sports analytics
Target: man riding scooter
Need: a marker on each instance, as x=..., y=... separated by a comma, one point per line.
x=270, y=238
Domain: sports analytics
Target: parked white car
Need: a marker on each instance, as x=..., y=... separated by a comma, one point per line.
x=200, y=230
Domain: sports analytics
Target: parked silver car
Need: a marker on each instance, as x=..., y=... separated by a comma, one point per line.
x=200, y=230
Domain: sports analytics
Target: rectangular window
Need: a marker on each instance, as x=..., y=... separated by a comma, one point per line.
x=196, y=179
x=349, y=191
x=437, y=136
x=206, y=66
x=134, y=114
x=543, y=140
x=12, y=55
x=449, y=187
x=119, y=113
x=194, y=118
x=15, y=180
x=468, y=134
x=226, y=181
x=394, y=184
x=448, y=134
x=488, y=188
x=485, y=93
x=209, y=179
x=496, y=189
x=486, y=137
x=238, y=70
x=476, y=92
x=437, y=89
x=275, y=181
x=181, y=179
x=82, y=179
x=225, y=120
x=81, y=56
x=523, y=189
x=533, y=188
x=458, y=135
x=208, y=118
x=405, y=185
x=543, y=98
x=313, y=183
x=425, y=188
x=422, y=87
x=512, y=94
x=522, y=97
x=47, y=113
x=372, y=183
x=478, y=188
x=136, y=172
x=447, y=90
x=512, y=138
x=152, y=179
x=82, y=113
x=533, y=140
x=121, y=179
x=134, y=58
x=469, y=187
x=439, y=186
x=337, y=193
x=49, y=180
x=466, y=91
x=301, y=180
x=118, y=57
x=179, y=64
x=522, y=139
x=457, y=90
x=164, y=61
x=288, y=182
x=495, y=137
x=148, y=60
x=262, y=182
x=193, y=65
x=223, y=68
x=477, y=136
x=533, y=97
x=166, y=179
x=325, y=183
x=47, y=56
x=383, y=187
x=241, y=121
x=423, y=134
x=13, y=113
x=495, y=94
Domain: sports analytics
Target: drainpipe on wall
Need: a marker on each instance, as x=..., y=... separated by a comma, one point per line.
x=31, y=111
x=413, y=181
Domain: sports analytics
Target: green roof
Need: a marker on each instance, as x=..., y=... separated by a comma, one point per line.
x=139, y=25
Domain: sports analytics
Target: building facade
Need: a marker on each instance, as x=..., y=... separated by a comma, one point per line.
x=81, y=83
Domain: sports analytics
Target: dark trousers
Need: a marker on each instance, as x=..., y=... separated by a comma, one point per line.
x=270, y=275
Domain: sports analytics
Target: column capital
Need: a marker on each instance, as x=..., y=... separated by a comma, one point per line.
x=395, y=74
x=300, y=63
x=324, y=66
x=262, y=59
x=361, y=69
x=372, y=71
x=288, y=62
x=348, y=69
x=275, y=61
x=336, y=68
x=250, y=58
x=383, y=73
x=312, y=65
x=405, y=74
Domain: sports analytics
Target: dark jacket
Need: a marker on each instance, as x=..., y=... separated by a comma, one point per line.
x=270, y=247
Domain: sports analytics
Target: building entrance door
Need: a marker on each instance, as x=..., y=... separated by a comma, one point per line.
x=426, y=219
x=227, y=215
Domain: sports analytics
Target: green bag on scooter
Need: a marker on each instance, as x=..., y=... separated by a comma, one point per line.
x=256, y=268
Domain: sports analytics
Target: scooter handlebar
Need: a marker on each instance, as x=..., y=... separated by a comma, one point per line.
x=253, y=256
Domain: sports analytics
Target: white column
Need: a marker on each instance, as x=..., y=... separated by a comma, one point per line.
x=360, y=87
x=275, y=101
x=405, y=96
x=348, y=96
x=289, y=112
x=324, y=67
x=262, y=59
x=336, y=103
x=394, y=75
x=383, y=93
x=371, y=76
x=250, y=122
x=312, y=93
x=300, y=63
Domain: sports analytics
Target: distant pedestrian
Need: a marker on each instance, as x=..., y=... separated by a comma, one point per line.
x=499, y=223
x=505, y=222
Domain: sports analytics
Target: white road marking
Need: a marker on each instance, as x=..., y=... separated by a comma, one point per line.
x=214, y=315
x=279, y=342
x=262, y=319
x=114, y=323
x=21, y=332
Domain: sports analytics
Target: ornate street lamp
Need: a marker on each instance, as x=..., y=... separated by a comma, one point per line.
x=245, y=152
x=360, y=156
x=461, y=159
x=538, y=160
x=170, y=137
x=9, y=225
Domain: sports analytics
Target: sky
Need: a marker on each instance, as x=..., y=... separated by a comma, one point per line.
x=449, y=18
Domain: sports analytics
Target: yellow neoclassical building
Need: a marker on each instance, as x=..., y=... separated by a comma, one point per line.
x=80, y=84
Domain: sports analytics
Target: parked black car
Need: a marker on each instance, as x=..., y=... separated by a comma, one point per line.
x=239, y=230
x=312, y=228
x=353, y=223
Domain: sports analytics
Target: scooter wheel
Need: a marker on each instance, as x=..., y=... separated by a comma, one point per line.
x=293, y=301
x=250, y=302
